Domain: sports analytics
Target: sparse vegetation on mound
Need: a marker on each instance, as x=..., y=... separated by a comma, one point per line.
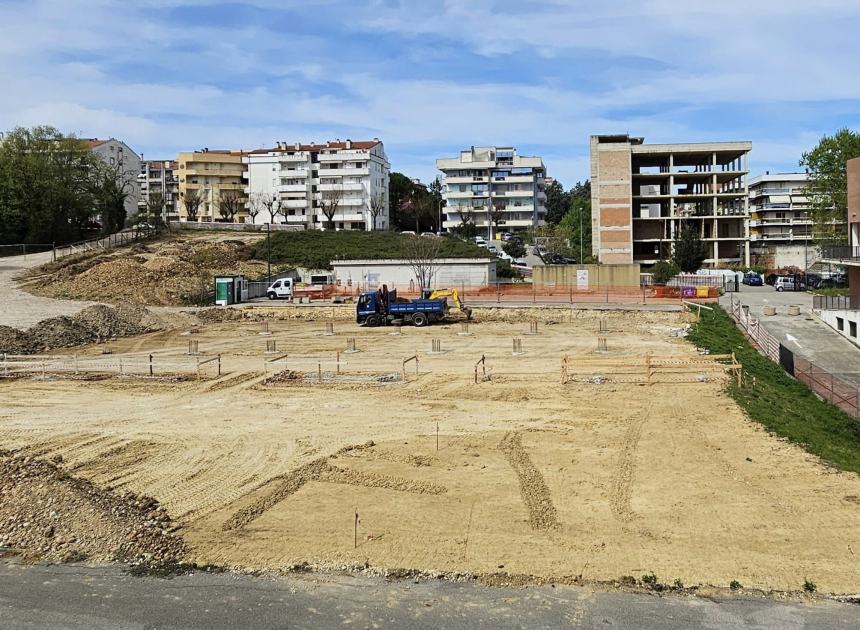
x=316, y=249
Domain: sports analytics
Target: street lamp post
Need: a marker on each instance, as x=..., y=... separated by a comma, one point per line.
x=269, y=250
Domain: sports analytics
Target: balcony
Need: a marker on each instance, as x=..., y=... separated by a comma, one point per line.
x=285, y=188
x=344, y=187
x=292, y=159
x=294, y=203
x=469, y=179
x=343, y=155
x=294, y=172
x=332, y=172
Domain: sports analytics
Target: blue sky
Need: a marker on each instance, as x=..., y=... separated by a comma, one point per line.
x=430, y=77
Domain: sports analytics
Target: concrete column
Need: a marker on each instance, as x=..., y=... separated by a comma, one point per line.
x=716, y=253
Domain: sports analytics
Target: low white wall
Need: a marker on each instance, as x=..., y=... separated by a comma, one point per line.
x=831, y=318
x=451, y=272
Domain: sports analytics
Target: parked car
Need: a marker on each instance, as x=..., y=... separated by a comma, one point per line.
x=787, y=283
x=753, y=279
x=506, y=236
x=522, y=264
x=409, y=232
x=429, y=234
x=492, y=248
x=479, y=240
x=503, y=255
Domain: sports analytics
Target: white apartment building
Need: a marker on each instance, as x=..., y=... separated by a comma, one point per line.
x=302, y=177
x=160, y=176
x=780, y=225
x=490, y=181
x=118, y=154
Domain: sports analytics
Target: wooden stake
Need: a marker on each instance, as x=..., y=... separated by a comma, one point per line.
x=355, y=530
x=437, y=436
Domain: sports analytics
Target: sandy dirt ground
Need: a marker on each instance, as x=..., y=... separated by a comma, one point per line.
x=599, y=480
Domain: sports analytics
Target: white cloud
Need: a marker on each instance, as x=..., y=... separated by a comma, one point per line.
x=66, y=62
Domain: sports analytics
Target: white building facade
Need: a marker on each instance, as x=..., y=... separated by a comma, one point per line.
x=397, y=273
x=304, y=177
x=159, y=176
x=120, y=156
x=781, y=229
x=494, y=183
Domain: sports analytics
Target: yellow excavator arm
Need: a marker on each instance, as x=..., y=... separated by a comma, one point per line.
x=438, y=294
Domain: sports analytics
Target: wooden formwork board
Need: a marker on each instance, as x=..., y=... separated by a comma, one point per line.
x=649, y=369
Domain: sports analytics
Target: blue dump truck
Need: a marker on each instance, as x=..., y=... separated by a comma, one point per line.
x=381, y=307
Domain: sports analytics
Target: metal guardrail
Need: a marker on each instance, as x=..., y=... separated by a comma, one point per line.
x=836, y=302
x=840, y=252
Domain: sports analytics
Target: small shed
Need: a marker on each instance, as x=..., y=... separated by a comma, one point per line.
x=230, y=290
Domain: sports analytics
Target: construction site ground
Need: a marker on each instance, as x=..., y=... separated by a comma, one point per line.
x=531, y=479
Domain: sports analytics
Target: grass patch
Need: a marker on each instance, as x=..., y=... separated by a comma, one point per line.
x=783, y=405
x=315, y=249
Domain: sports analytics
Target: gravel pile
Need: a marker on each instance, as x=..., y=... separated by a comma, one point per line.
x=47, y=515
x=93, y=324
x=14, y=341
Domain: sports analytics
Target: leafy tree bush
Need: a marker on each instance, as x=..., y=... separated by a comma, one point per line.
x=690, y=251
x=664, y=271
x=514, y=248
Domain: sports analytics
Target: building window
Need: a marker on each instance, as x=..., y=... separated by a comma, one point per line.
x=852, y=329
x=840, y=324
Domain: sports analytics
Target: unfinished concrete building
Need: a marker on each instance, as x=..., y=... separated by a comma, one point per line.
x=641, y=194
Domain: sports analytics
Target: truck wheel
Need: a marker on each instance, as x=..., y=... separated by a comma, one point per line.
x=419, y=319
x=372, y=321
x=272, y=295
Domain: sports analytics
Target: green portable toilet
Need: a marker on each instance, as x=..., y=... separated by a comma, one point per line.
x=224, y=290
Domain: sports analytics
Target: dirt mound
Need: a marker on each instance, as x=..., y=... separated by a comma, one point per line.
x=125, y=320
x=61, y=332
x=175, y=271
x=14, y=341
x=93, y=324
x=45, y=514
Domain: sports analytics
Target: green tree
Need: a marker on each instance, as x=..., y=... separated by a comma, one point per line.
x=664, y=271
x=48, y=186
x=514, y=248
x=690, y=252
x=435, y=190
x=576, y=227
x=557, y=202
x=828, y=185
x=467, y=227
x=399, y=189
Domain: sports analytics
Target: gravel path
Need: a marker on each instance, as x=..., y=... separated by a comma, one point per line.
x=21, y=309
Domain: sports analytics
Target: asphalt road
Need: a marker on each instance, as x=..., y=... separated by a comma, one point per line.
x=77, y=597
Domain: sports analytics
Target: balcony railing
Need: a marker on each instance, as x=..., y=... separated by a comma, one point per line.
x=840, y=252
x=836, y=302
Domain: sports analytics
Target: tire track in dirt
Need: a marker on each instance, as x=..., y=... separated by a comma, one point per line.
x=533, y=489
x=231, y=380
x=333, y=474
x=622, y=484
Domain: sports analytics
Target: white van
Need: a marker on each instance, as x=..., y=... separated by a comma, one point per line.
x=280, y=289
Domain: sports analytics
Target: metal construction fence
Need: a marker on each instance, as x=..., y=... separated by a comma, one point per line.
x=122, y=364
x=829, y=387
x=59, y=251
x=524, y=293
x=825, y=384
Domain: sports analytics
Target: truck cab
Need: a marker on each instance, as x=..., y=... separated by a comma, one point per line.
x=280, y=289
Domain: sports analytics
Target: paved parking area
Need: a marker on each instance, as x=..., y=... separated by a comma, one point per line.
x=804, y=334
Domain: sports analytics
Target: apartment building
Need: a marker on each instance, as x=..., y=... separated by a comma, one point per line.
x=781, y=229
x=500, y=187
x=641, y=194
x=119, y=155
x=351, y=177
x=212, y=175
x=160, y=176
